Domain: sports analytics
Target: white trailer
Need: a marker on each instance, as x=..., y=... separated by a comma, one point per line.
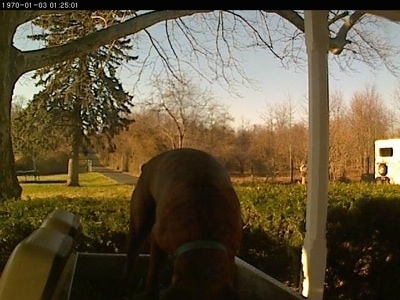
x=387, y=161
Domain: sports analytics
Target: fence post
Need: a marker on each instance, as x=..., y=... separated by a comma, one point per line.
x=90, y=165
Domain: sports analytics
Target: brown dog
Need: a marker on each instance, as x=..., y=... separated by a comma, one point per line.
x=185, y=201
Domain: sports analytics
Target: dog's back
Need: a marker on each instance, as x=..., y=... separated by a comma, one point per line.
x=194, y=199
x=187, y=199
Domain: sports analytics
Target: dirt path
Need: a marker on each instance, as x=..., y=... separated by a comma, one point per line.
x=117, y=176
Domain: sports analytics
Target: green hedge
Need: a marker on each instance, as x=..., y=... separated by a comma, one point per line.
x=54, y=163
x=362, y=233
x=363, y=241
x=104, y=222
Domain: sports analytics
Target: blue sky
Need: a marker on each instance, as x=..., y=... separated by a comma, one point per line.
x=275, y=83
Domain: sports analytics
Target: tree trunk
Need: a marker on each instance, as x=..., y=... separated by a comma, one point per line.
x=9, y=186
x=73, y=163
x=73, y=166
x=291, y=169
x=366, y=163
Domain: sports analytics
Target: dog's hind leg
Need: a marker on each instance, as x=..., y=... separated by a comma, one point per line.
x=142, y=216
x=157, y=260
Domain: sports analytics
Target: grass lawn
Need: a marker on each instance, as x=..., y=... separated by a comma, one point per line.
x=92, y=185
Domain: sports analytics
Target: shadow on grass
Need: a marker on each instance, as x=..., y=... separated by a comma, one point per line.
x=44, y=182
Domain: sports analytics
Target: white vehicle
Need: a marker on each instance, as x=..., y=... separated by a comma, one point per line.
x=387, y=161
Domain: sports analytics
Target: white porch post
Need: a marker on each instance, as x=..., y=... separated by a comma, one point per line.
x=314, y=248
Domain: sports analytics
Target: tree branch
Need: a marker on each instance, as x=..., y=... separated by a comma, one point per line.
x=337, y=44
x=269, y=46
x=44, y=57
x=292, y=16
x=392, y=15
x=338, y=17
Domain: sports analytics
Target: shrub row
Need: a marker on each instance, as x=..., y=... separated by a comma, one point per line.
x=54, y=163
x=362, y=233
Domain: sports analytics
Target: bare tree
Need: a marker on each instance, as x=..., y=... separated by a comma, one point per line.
x=260, y=150
x=280, y=118
x=394, y=117
x=340, y=136
x=367, y=116
x=136, y=145
x=145, y=138
x=242, y=145
x=183, y=103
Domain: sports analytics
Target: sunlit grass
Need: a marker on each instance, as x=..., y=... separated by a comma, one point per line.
x=92, y=185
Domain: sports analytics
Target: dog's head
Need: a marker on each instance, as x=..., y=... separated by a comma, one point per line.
x=202, y=274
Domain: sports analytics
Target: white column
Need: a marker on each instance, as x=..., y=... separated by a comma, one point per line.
x=314, y=248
